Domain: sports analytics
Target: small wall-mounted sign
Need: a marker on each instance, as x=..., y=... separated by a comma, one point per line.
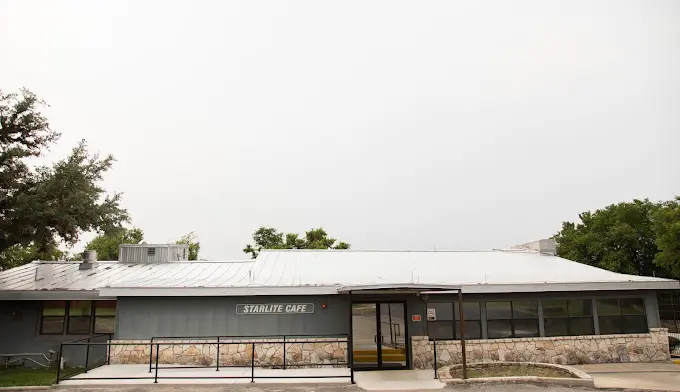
x=274, y=308
x=415, y=317
x=431, y=314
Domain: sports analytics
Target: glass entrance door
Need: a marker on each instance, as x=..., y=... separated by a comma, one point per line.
x=379, y=335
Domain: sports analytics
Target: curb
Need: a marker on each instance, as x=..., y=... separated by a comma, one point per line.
x=580, y=382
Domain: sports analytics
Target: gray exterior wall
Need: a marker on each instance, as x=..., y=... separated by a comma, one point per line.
x=19, y=333
x=147, y=317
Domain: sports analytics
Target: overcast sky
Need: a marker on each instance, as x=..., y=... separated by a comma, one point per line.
x=392, y=124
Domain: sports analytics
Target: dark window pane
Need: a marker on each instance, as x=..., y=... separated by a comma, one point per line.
x=556, y=327
x=54, y=308
x=443, y=310
x=105, y=308
x=104, y=324
x=554, y=308
x=79, y=325
x=610, y=325
x=498, y=310
x=524, y=309
x=580, y=307
x=470, y=309
x=52, y=325
x=497, y=329
x=80, y=308
x=635, y=324
x=632, y=306
x=525, y=328
x=473, y=329
x=581, y=326
x=440, y=330
x=608, y=307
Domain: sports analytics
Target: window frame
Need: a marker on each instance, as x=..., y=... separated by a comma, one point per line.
x=568, y=317
x=66, y=325
x=454, y=322
x=513, y=318
x=621, y=316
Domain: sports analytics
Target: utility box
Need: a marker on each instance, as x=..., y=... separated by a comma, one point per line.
x=152, y=253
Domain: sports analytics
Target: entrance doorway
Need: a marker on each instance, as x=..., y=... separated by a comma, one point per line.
x=379, y=335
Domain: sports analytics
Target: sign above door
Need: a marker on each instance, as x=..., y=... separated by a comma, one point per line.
x=274, y=308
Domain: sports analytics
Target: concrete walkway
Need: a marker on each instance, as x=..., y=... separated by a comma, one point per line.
x=107, y=375
x=397, y=380
x=652, y=376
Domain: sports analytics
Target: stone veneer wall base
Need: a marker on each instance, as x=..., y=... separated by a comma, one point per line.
x=563, y=350
x=305, y=352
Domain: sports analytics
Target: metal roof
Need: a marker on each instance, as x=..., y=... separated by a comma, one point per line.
x=280, y=272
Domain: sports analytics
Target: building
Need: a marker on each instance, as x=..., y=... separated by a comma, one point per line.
x=522, y=304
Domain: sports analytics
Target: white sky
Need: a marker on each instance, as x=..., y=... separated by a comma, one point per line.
x=393, y=124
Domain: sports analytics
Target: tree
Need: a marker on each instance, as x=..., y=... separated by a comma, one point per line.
x=108, y=244
x=41, y=207
x=621, y=238
x=270, y=238
x=666, y=223
x=194, y=245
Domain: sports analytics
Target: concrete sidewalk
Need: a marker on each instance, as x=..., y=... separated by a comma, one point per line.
x=653, y=376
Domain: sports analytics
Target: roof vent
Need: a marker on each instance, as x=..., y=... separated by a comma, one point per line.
x=152, y=253
x=89, y=258
x=546, y=246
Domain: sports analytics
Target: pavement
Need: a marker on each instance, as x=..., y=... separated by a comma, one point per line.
x=648, y=376
x=139, y=375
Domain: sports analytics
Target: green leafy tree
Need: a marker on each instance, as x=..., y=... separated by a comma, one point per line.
x=194, y=245
x=270, y=238
x=45, y=206
x=667, y=228
x=108, y=244
x=621, y=238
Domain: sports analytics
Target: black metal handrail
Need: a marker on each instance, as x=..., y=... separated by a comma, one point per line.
x=88, y=343
x=250, y=340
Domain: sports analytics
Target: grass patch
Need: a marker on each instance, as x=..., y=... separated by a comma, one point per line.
x=21, y=377
x=512, y=371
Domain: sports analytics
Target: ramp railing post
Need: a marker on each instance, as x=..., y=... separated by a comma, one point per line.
x=284, y=352
x=435, y=357
x=158, y=349
x=252, y=365
x=218, y=354
x=150, y=353
x=87, y=355
x=61, y=347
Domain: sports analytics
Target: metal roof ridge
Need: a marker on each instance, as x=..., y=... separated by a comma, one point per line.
x=401, y=250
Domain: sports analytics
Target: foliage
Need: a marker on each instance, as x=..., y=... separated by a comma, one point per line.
x=108, y=244
x=270, y=238
x=194, y=245
x=626, y=238
x=21, y=376
x=41, y=207
x=17, y=255
x=667, y=228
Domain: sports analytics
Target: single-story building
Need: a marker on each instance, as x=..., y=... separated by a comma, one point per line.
x=523, y=304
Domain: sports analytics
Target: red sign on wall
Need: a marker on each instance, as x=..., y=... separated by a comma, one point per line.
x=415, y=317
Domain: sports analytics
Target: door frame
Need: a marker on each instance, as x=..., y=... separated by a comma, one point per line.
x=379, y=346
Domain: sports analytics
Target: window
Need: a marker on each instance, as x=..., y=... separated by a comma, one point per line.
x=622, y=316
x=104, y=316
x=568, y=317
x=53, y=318
x=151, y=252
x=506, y=319
x=77, y=317
x=448, y=315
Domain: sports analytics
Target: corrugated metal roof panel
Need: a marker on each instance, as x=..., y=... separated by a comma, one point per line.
x=307, y=272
